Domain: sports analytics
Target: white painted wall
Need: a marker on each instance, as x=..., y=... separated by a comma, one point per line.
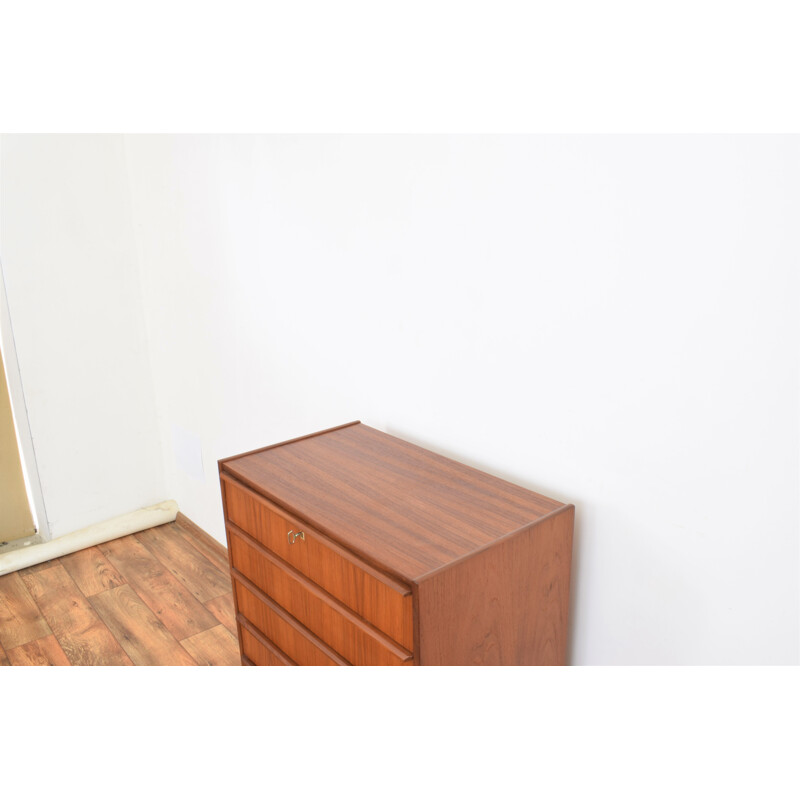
x=74, y=300
x=608, y=320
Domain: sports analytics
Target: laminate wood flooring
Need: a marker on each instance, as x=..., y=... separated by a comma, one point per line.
x=161, y=597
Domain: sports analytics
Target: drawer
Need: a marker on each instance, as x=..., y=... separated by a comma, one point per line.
x=259, y=652
x=380, y=600
x=347, y=634
x=285, y=633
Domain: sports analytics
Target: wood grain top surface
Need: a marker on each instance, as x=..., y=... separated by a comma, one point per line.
x=403, y=508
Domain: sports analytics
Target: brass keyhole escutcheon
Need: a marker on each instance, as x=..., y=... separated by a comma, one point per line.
x=293, y=537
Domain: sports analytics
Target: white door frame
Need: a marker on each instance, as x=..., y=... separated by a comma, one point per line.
x=29, y=467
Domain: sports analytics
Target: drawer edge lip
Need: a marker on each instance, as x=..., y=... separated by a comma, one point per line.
x=296, y=625
x=263, y=641
x=395, y=582
x=367, y=627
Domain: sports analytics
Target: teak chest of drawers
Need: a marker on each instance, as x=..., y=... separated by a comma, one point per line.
x=350, y=546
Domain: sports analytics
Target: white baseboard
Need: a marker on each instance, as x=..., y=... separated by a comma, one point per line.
x=138, y=520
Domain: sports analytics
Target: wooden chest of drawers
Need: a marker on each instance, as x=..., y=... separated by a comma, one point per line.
x=350, y=546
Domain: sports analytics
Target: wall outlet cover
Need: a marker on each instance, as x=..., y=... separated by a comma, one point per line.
x=188, y=452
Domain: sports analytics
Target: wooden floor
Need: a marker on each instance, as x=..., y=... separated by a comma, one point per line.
x=159, y=597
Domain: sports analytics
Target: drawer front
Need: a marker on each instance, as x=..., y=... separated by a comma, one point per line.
x=258, y=653
x=384, y=603
x=300, y=648
x=339, y=628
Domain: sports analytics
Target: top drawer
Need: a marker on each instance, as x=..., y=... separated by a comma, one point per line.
x=377, y=598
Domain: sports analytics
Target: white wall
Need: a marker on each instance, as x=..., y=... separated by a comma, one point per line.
x=74, y=298
x=608, y=320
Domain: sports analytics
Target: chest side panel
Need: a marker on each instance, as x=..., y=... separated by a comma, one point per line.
x=505, y=605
